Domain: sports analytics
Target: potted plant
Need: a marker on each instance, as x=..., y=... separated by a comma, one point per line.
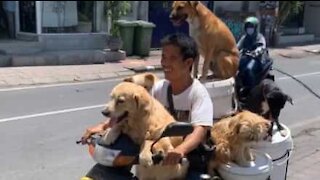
x=286, y=8
x=114, y=10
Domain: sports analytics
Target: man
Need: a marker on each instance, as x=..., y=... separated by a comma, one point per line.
x=191, y=101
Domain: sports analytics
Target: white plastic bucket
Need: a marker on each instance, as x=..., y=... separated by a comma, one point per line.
x=222, y=95
x=260, y=169
x=280, y=150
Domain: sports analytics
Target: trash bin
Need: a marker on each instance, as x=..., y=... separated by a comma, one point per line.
x=126, y=29
x=142, y=38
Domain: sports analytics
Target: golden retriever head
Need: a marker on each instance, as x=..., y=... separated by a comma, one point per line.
x=249, y=127
x=146, y=80
x=127, y=100
x=182, y=10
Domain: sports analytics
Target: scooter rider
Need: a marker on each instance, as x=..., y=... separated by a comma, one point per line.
x=254, y=42
x=252, y=37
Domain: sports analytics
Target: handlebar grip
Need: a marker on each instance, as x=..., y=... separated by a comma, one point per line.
x=157, y=158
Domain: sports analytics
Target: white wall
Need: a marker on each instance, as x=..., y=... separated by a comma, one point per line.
x=236, y=5
x=312, y=12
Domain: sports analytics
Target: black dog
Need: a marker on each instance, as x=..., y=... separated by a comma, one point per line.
x=267, y=99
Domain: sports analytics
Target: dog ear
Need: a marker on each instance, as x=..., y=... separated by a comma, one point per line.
x=128, y=79
x=289, y=99
x=149, y=77
x=237, y=128
x=193, y=3
x=141, y=101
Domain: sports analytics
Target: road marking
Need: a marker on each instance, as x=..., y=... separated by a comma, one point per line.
x=57, y=85
x=299, y=75
x=51, y=113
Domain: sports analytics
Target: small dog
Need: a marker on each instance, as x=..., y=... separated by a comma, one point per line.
x=216, y=43
x=233, y=137
x=267, y=99
x=146, y=80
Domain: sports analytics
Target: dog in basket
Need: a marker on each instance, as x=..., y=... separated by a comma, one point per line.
x=233, y=137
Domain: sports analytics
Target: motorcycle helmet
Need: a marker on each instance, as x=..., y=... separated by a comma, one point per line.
x=251, y=25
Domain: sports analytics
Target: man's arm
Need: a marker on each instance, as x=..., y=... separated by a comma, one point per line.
x=94, y=130
x=240, y=43
x=190, y=143
x=193, y=140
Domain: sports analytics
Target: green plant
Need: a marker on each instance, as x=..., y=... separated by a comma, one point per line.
x=286, y=8
x=114, y=10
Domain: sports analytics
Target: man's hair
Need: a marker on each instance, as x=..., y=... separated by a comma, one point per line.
x=187, y=45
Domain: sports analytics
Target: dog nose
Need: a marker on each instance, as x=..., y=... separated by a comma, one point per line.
x=105, y=112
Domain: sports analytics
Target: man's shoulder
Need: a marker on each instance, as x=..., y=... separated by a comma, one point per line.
x=199, y=89
x=161, y=83
x=198, y=85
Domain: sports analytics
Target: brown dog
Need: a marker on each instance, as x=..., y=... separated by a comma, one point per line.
x=234, y=136
x=216, y=43
x=146, y=80
x=133, y=111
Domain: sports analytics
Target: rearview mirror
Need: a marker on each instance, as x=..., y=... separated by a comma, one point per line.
x=177, y=129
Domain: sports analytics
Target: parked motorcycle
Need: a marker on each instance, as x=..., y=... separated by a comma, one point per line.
x=115, y=161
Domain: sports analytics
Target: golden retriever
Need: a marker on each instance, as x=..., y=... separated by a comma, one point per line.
x=233, y=137
x=215, y=41
x=146, y=80
x=133, y=111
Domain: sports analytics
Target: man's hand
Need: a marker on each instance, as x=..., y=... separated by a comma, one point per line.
x=173, y=157
x=93, y=130
x=258, y=51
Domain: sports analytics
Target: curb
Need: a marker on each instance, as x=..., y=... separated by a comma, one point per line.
x=150, y=68
x=119, y=74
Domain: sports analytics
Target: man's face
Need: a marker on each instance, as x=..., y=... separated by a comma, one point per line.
x=174, y=66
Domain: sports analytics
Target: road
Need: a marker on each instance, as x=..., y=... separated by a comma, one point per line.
x=40, y=125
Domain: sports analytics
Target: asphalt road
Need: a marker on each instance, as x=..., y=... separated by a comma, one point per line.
x=39, y=126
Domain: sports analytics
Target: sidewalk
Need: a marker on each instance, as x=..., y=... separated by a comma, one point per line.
x=35, y=75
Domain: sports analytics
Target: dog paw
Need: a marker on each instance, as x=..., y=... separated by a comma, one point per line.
x=110, y=136
x=145, y=159
x=283, y=133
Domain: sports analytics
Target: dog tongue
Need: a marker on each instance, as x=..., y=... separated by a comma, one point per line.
x=113, y=121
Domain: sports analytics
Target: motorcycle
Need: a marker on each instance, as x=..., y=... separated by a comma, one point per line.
x=115, y=162
x=253, y=68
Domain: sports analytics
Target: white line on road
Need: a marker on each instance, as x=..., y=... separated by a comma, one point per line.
x=300, y=75
x=57, y=85
x=50, y=113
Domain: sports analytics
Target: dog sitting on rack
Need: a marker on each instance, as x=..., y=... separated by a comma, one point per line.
x=267, y=99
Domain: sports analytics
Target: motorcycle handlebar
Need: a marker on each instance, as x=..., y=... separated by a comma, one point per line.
x=156, y=158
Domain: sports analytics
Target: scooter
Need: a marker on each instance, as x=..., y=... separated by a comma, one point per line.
x=253, y=68
x=114, y=165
